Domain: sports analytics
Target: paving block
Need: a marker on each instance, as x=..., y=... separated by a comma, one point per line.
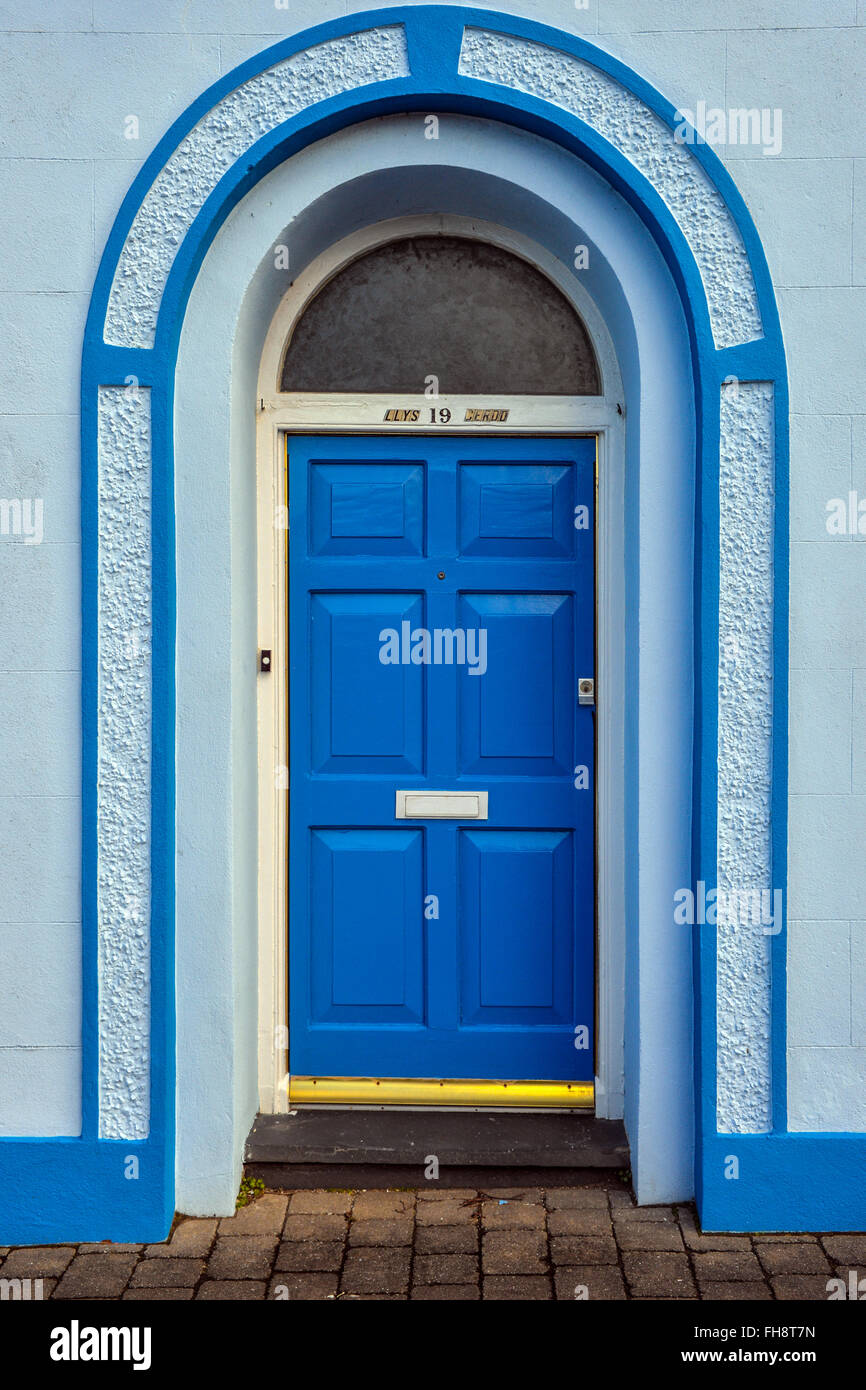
x=846, y=1273
x=106, y=1247
x=810, y=1287
x=382, y=1204
x=846, y=1249
x=309, y=1256
x=696, y=1240
x=317, y=1226
x=167, y=1274
x=659, y=1298
x=580, y=1282
x=514, y=1252
x=709, y=1243
x=743, y=1291
x=373, y=1297
x=577, y=1198
x=647, y=1235
x=506, y=1215
x=262, y=1217
x=38, y=1261
x=446, y=1213
x=385, y=1230
x=777, y=1237
x=320, y=1202
x=376, y=1271
x=242, y=1257
x=641, y=1215
x=517, y=1287
x=658, y=1274
x=442, y=1293
x=579, y=1221
x=192, y=1239
x=445, y=1269
x=727, y=1265
x=96, y=1276
x=448, y=1239
x=583, y=1250
x=793, y=1258
x=534, y=1195
x=303, y=1287
x=619, y=1197
x=48, y=1287
x=447, y=1194
x=231, y=1291
x=163, y=1295
x=30, y=1289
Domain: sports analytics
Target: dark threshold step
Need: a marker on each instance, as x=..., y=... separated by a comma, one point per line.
x=538, y=1141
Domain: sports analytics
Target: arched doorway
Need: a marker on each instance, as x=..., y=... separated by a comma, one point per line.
x=439, y=372
x=602, y=415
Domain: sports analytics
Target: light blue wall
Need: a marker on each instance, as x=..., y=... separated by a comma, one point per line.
x=805, y=205
x=64, y=166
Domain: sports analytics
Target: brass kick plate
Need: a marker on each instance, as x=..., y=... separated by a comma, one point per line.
x=388, y=1090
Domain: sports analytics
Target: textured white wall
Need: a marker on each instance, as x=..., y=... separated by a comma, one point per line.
x=75, y=71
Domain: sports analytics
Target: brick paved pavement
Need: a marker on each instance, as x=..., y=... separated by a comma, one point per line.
x=448, y=1245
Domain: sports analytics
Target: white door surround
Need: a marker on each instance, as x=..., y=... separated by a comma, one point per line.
x=531, y=197
x=280, y=414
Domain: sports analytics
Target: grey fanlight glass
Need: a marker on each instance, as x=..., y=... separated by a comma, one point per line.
x=480, y=320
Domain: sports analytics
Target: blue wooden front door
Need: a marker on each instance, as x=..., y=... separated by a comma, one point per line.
x=441, y=613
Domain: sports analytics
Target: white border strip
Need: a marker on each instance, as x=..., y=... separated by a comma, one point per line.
x=648, y=143
x=746, y=517
x=124, y=587
x=222, y=136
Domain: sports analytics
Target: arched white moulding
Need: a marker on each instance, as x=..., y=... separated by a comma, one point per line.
x=266, y=101
x=648, y=143
x=220, y=138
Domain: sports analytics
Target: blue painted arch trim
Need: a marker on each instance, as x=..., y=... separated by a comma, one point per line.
x=70, y=1167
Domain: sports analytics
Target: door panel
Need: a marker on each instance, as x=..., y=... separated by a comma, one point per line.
x=366, y=938
x=371, y=720
x=514, y=509
x=372, y=508
x=516, y=925
x=441, y=613
x=518, y=717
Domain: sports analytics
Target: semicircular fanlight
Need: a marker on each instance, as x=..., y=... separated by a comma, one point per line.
x=477, y=318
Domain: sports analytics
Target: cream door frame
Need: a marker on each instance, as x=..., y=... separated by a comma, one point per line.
x=278, y=414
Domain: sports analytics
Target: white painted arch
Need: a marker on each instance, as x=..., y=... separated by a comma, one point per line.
x=538, y=195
